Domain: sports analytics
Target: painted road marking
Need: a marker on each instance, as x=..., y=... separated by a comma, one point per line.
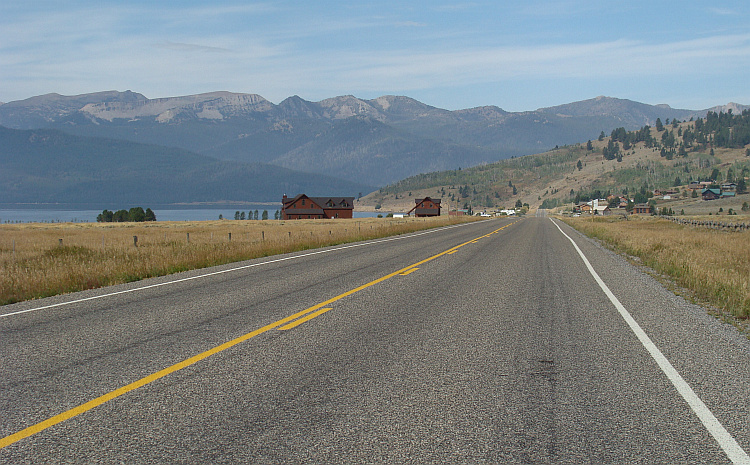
x=305, y=318
x=75, y=411
x=409, y=271
x=733, y=450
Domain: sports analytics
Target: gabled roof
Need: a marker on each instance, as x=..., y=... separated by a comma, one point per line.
x=323, y=202
x=436, y=201
x=334, y=202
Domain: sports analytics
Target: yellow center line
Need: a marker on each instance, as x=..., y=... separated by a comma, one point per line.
x=317, y=309
x=309, y=317
x=409, y=271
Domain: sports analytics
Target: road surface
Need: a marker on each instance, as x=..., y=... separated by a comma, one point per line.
x=504, y=341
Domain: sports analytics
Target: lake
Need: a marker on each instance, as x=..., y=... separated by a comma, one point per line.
x=168, y=213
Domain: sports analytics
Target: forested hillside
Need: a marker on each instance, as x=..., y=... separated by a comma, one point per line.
x=665, y=157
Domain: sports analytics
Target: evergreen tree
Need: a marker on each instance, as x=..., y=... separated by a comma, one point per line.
x=150, y=215
x=265, y=215
x=741, y=187
x=106, y=216
x=120, y=216
x=136, y=214
x=659, y=125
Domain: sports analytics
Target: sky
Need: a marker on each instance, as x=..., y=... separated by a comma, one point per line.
x=451, y=54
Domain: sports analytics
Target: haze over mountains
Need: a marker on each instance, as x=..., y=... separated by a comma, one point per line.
x=342, y=143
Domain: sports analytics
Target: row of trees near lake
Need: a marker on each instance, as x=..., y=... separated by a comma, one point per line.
x=135, y=214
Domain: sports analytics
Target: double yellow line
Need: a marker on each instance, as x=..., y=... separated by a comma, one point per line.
x=282, y=324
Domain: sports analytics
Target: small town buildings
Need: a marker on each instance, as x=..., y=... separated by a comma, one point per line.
x=304, y=207
x=729, y=186
x=641, y=209
x=426, y=207
x=585, y=208
x=695, y=185
x=730, y=194
x=711, y=194
x=602, y=210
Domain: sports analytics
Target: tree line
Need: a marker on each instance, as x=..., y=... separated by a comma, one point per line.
x=720, y=130
x=253, y=215
x=135, y=214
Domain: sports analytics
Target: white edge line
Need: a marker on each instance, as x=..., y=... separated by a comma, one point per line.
x=733, y=450
x=60, y=304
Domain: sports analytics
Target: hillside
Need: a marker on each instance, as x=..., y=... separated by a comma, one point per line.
x=48, y=166
x=376, y=141
x=715, y=148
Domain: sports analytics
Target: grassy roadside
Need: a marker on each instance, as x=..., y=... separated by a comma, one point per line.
x=41, y=260
x=713, y=265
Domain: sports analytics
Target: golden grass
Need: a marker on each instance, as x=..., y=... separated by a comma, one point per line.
x=41, y=260
x=714, y=264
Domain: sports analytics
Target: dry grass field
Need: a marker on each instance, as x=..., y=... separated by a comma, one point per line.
x=713, y=264
x=40, y=260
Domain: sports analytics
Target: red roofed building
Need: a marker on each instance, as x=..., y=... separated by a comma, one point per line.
x=426, y=207
x=304, y=207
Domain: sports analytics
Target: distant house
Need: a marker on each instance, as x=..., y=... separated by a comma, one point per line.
x=731, y=194
x=426, y=207
x=711, y=194
x=304, y=207
x=694, y=185
x=642, y=209
x=602, y=210
x=729, y=186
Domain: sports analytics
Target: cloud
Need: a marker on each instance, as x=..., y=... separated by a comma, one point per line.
x=183, y=47
x=722, y=11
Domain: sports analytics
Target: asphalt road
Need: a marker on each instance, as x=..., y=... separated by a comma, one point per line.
x=490, y=342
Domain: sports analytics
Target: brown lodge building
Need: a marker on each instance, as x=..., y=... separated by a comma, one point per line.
x=426, y=207
x=304, y=207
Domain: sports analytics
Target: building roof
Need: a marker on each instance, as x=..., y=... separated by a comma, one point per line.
x=322, y=202
x=437, y=201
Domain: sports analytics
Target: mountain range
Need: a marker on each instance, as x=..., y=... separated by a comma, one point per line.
x=342, y=142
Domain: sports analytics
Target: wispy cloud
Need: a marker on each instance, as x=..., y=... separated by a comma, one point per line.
x=183, y=47
x=722, y=11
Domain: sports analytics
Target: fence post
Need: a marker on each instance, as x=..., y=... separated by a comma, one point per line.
x=60, y=243
x=230, y=237
x=135, y=241
x=263, y=236
x=188, y=238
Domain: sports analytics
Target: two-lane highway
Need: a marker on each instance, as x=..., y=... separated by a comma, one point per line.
x=489, y=342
